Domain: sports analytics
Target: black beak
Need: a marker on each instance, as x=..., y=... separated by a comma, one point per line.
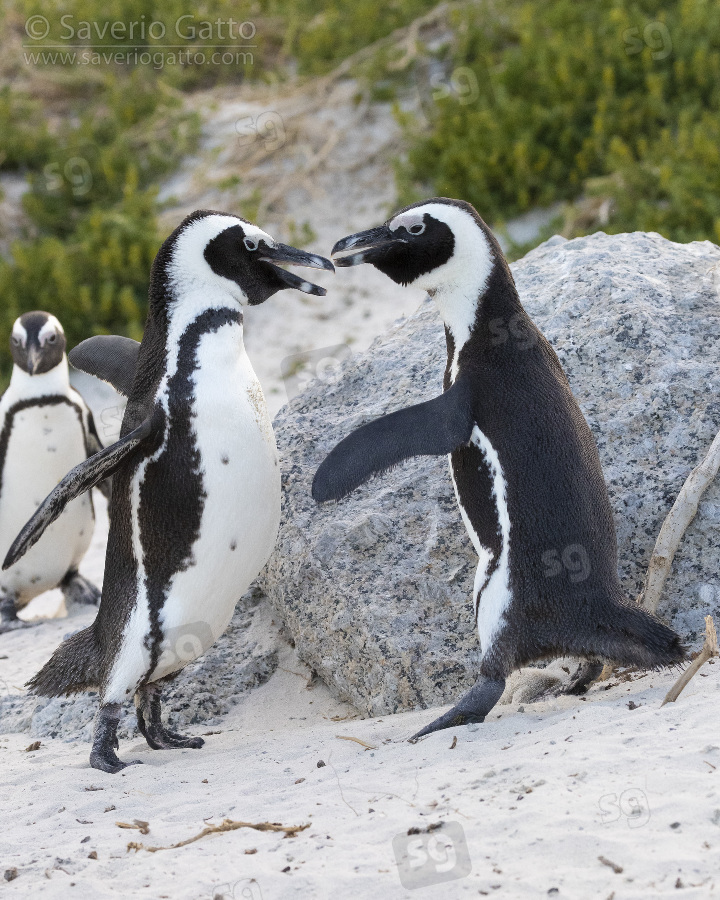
x=281, y=253
x=33, y=358
x=366, y=246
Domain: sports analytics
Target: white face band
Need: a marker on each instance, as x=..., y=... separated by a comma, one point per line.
x=19, y=334
x=52, y=326
x=407, y=219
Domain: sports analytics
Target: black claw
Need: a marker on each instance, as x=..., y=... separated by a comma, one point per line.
x=147, y=701
x=471, y=708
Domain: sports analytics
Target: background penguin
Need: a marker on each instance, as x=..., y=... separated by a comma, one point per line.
x=45, y=429
x=196, y=480
x=523, y=461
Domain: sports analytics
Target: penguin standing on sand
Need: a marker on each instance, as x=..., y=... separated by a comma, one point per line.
x=45, y=429
x=196, y=480
x=523, y=462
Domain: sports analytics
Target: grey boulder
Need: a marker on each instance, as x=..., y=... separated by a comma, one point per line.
x=375, y=590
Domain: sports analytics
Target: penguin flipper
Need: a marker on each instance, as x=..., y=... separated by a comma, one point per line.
x=83, y=477
x=110, y=357
x=433, y=428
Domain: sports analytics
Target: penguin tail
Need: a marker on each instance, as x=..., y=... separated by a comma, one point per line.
x=632, y=636
x=73, y=667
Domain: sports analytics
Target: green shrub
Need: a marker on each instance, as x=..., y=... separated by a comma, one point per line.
x=564, y=92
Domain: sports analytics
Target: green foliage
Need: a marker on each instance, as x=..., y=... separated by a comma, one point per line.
x=95, y=279
x=542, y=97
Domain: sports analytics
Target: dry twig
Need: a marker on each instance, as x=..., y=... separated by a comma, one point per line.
x=342, y=737
x=710, y=649
x=675, y=525
x=227, y=825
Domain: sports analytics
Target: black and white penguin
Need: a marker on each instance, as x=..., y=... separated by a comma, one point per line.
x=45, y=429
x=196, y=479
x=523, y=462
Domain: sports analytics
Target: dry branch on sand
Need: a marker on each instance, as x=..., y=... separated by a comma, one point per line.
x=227, y=825
x=710, y=649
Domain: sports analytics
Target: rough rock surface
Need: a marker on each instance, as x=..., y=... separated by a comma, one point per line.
x=243, y=658
x=375, y=590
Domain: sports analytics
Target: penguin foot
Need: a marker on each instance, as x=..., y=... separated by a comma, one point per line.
x=77, y=589
x=9, y=620
x=105, y=742
x=110, y=762
x=147, y=703
x=472, y=707
x=587, y=672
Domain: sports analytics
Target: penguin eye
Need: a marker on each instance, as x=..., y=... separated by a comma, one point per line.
x=16, y=341
x=417, y=229
x=250, y=244
x=52, y=339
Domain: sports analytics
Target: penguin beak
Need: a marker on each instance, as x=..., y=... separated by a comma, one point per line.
x=282, y=253
x=366, y=246
x=33, y=358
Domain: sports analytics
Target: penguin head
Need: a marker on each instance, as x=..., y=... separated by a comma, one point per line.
x=212, y=251
x=432, y=245
x=37, y=343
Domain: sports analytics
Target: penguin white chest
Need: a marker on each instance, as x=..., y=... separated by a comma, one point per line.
x=240, y=470
x=44, y=443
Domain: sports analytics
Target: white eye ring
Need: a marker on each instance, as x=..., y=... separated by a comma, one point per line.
x=417, y=228
x=250, y=244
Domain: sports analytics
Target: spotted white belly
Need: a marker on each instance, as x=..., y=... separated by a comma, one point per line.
x=45, y=443
x=496, y=596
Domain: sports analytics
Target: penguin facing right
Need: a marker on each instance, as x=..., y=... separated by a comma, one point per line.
x=196, y=476
x=523, y=462
x=45, y=429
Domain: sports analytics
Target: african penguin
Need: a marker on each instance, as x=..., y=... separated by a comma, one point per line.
x=523, y=462
x=196, y=480
x=45, y=429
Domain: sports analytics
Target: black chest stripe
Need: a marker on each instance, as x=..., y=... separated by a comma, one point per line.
x=20, y=406
x=172, y=495
x=475, y=487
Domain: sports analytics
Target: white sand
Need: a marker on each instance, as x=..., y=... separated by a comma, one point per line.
x=539, y=795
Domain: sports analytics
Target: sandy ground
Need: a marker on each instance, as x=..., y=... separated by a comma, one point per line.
x=525, y=805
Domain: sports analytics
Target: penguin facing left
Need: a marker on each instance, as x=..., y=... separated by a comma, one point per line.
x=196, y=477
x=45, y=429
x=523, y=462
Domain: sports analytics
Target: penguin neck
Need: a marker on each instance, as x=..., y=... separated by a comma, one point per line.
x=56, y=381
x=468, y=311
